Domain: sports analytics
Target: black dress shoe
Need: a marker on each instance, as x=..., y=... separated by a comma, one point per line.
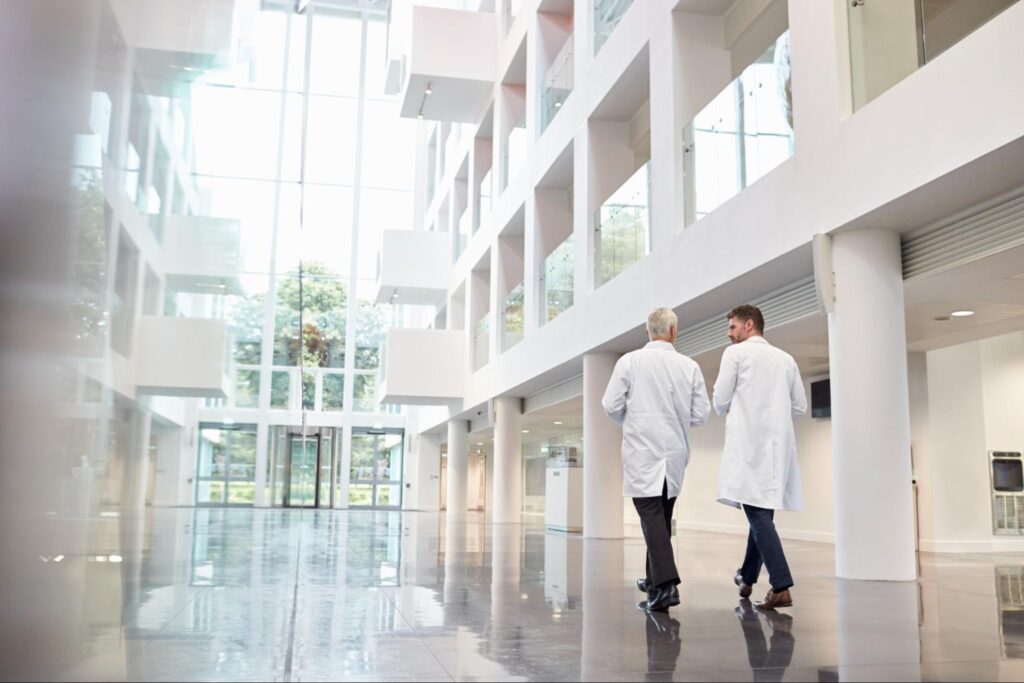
x=745, y=590
x=643, y=585
x=660, y=599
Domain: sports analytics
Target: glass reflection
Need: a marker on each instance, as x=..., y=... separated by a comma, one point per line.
x=770, y=658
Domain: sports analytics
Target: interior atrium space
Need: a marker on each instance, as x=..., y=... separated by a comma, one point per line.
x=512, y=340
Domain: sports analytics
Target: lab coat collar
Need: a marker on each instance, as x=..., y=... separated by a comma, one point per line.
x=664, y=345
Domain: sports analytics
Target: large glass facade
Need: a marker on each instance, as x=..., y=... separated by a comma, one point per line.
x=247, y=189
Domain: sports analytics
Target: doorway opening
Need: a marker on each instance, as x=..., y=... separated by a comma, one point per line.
x=304, y=466
x=376, y=471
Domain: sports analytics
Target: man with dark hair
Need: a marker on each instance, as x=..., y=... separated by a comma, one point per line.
x=760, y=388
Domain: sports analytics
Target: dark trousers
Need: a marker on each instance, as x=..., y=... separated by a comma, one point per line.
x=764, y=548
x=656, y=521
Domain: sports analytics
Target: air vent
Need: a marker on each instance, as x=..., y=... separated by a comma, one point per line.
x=785, y=305
x=981, y=231
x=563, y=391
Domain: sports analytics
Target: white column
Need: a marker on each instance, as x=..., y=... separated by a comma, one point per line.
x=871, y=410
x=602, y=453
x=458, y=466
x=508, y=460
x=262, y=442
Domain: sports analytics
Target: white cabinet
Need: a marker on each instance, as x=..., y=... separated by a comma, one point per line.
x=564, y=504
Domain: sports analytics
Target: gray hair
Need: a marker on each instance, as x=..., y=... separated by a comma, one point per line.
x=661, y=321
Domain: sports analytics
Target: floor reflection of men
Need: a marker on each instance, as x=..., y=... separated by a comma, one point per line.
x=768, y=659
x=663, y=645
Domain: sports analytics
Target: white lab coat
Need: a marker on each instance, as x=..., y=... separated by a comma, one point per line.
x=760, y=388
x=656, y=394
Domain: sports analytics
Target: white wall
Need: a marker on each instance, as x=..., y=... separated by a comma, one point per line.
x=974, y=394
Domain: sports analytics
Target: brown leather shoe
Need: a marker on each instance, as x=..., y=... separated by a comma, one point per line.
x=775, y=600
x=745, y=590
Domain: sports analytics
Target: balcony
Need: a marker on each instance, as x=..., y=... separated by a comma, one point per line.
x=422, y=367
x=482, y=342
x=744, y=133
x=624, y=227
x=607, y=15
x=454, y=56
x=183, y=357
x=559, y=279
x=203, y=255
x=413, y=267
x=512, y=318
x=558, y=83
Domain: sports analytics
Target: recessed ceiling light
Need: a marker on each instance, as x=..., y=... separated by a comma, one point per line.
x=428, y=91
x=420, y=116
x=962, y=314
x=526, y=431
x=480, y=444
x=557, y=422
x=558, y=105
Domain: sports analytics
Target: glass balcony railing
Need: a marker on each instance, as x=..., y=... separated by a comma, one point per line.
x=515, y=154
x=559, y=280
x=558, y=83
x=607, y=15
x=623, y=226
x=462, y=234
x=890, y=39
x=483, y=200
x=482, y=342
x=512, y=315
x=744, y=133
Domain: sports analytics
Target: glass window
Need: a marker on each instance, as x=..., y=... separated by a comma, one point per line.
x=389, y=147
x=332, y=125
x=325, y=238
x=325, y=301
x=334, y=59
x=227, y=464
x=252, y=203
x=372, y=326
x=247, y=388
x=365, y=393
x=226, y=125
x=334, y=391
x=280, y=389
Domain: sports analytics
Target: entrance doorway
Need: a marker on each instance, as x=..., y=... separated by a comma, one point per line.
x=375, y=476
x=304, y=466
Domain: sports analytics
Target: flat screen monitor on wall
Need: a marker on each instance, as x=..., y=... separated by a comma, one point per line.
x=1007, y=475
x=821, y=399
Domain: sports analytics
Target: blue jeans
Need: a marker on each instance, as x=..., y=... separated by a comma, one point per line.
x=764, y=548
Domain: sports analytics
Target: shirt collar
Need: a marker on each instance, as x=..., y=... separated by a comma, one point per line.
x=758, y=340
x=660, y=345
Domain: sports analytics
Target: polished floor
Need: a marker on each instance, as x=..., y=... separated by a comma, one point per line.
x=303, y=595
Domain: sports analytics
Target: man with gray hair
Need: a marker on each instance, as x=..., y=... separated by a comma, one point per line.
x=656, y=394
